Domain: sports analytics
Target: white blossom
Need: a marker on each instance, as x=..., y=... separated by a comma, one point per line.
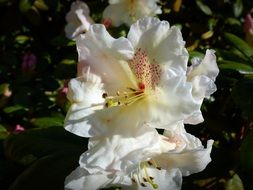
x=143, y=78
x=78, y=19
x=129, y=11
x=174, y=154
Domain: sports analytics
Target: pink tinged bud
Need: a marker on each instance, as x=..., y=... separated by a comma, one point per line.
x=107, y=22
x=18, y=129
x=61, y=98
x=64, y=89
x=248, y=29
x=248, y=24
x=29, y=62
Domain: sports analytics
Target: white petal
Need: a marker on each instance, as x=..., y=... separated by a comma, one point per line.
x=80, y=179
x=174, y=103
x=191, y=160
x=80, y=5
x=85, y=95
x=107, y=57
x=146, y=8
x=120, y=152
x=208, y=67
x=85, y=19
x=165, y=179
x=71, y=30
x=118, y=14
x=78, y=20
x=115, y=1
x=195, y=118
x=203, y=86
x=165, y=45
x=128, y=12
x=202, y=75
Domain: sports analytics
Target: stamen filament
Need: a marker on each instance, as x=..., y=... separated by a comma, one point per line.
x=126, y=99
x=154, y=185
x=134, y=99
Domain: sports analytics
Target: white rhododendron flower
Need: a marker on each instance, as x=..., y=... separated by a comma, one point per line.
x=176, y=153
x=129, y=11
x=128, y=87
x=78, y=19
x=144, y=77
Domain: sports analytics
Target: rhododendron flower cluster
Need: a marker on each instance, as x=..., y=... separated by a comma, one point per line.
x=126, y=89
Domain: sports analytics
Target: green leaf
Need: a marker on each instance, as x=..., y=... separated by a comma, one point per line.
x=3, y=132
x=246, y=153
x=49, y=172
x=3, y=2
x=21, y=39
x=11, y=109
x=204, y=8
x=53, y=5
x=237, y=8
x=194, y=54
x=233, y=21
x=231, y=55
x=240, y=44
x=33, y=144
x=61, y=41
x=9, y=172
x=48, y=122
x=68, y=61
x=240, y=67
x=242, y=95
x=25, y=5
x=40, y=4
x=235, y=183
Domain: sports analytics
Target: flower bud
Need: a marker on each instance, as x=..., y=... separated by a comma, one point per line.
x=248, y=29
x=29, y=62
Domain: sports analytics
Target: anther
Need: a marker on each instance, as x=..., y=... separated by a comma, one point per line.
x=132, y=89
x=144, y=179
x=133, y=180
x=143, y=185
x=151, y=177
x=150, y=163
x=104, y=95
x=159, y=168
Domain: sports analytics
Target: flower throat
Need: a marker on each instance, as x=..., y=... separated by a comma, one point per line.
x=147, y=73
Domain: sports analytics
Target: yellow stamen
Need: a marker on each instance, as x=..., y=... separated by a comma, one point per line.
x=126, y=99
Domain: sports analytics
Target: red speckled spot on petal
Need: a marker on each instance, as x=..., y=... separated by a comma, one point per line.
x=147, y=71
